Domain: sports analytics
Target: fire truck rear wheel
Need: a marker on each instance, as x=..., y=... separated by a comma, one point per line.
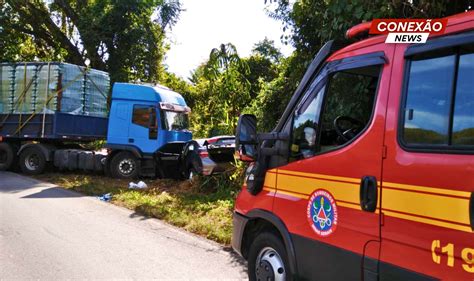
x=268, y=259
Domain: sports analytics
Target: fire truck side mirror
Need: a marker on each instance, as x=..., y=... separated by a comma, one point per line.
x=246, y=137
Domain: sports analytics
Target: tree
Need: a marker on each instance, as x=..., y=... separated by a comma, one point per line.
x=222, y=91
x=263, y=65
x=266, y=48
x=18, y=46
x=221, y=60
x=273, y=96
x=118, y=36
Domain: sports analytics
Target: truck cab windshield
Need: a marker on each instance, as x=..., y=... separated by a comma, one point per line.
x=174, y=121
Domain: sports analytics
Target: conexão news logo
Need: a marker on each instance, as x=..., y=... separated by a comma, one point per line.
x=408, y=30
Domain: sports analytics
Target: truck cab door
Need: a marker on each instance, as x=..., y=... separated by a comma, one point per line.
x=143, y=130
x=328, y=192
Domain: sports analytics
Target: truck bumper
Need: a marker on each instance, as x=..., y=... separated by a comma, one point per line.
x=239, y=222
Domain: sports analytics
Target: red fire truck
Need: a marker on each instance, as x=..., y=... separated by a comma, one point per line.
x=369, y=174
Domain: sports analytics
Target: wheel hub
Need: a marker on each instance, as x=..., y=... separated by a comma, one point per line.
x=32, y=162
x=126, y=166
x=270, y=266
x=264, y=271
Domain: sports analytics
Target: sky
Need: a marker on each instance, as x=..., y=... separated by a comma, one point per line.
x=205, y=24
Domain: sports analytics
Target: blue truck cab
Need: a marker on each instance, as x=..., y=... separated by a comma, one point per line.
x=148, y=132
x=145, y=117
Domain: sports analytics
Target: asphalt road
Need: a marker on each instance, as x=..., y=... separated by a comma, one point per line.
x=52, y=233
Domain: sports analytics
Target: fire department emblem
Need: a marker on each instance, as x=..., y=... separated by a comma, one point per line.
x=322, y=213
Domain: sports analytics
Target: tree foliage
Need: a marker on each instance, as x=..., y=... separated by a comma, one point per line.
x=227, y=84
x=222, y=91
x=123, y=37
x=266, y=48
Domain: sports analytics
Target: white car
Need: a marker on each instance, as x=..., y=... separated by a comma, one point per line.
x=216, y=154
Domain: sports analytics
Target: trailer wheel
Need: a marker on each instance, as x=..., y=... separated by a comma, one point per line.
x=124, y=165
x=7, y=156
x=32, y=161
x=268, y=259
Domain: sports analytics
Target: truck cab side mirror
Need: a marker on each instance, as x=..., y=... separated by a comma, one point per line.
x=246, y=137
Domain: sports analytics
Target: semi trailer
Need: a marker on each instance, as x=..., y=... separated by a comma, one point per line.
x=49, y=113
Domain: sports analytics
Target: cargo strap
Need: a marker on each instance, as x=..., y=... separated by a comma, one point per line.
x=20, y=97
x=47, y=102
x=84, y=71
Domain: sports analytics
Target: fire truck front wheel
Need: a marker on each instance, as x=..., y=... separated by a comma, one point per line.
x=268, y=259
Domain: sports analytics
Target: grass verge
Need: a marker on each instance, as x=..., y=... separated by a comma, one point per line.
x=203, y=206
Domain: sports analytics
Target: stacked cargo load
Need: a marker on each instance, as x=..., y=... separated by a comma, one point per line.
x=48, y=87
x=52, y=100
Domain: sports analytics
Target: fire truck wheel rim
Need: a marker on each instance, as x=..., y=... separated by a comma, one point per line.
x=269, y=265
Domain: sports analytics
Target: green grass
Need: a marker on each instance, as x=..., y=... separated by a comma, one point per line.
x=203, y=206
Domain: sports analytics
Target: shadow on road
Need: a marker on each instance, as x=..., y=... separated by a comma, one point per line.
x=14, y=183
x=236, y=259
x=53, y=192
x=139, y=215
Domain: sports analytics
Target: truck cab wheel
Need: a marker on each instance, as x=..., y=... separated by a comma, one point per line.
x=7, y=156
x=32, y=161
x=267, y=259
x=124, y=165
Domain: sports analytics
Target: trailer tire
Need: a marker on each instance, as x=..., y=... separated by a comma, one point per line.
x=32, y=161
x=124, y=165
x=7, y=156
